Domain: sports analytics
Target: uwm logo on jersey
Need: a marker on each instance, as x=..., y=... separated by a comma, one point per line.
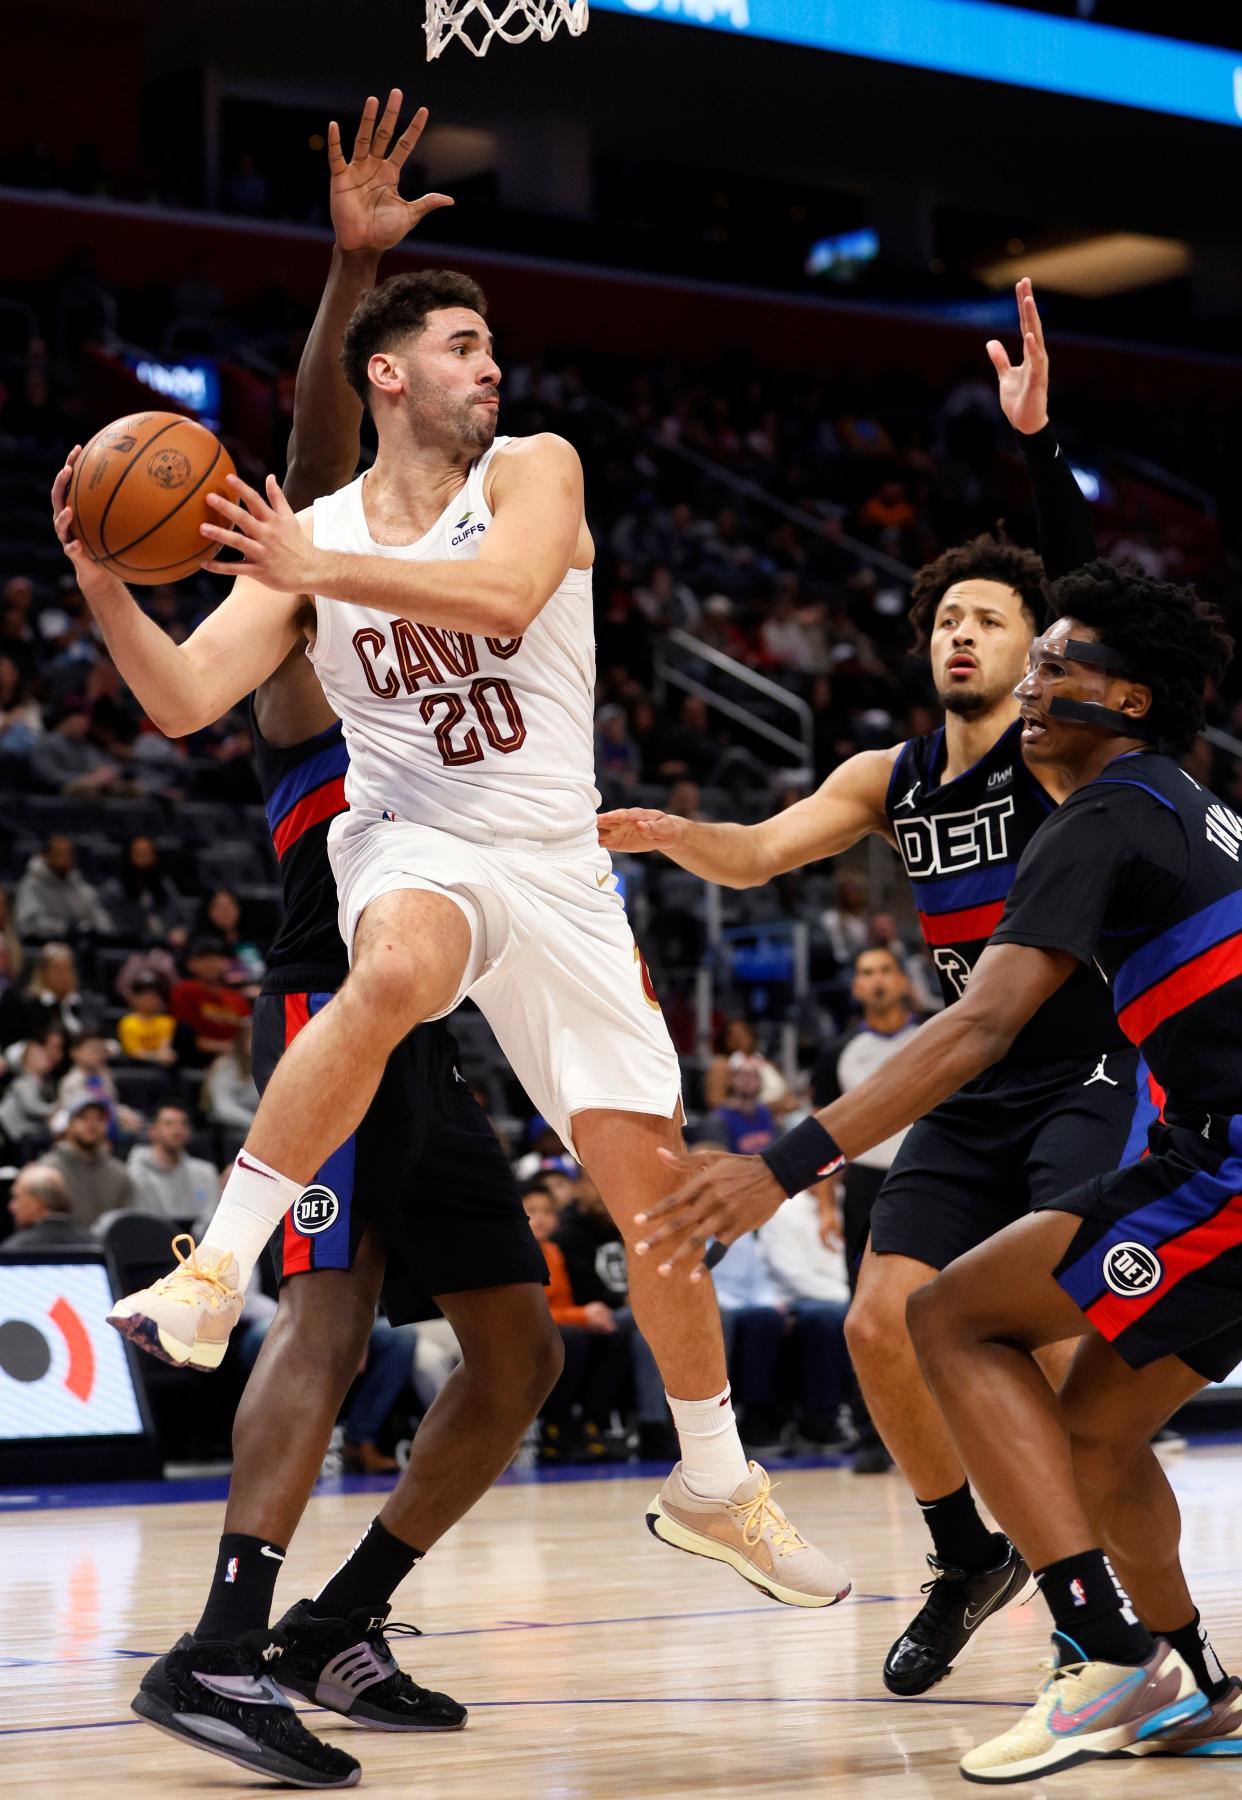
x=467, y=712
x=950, y=843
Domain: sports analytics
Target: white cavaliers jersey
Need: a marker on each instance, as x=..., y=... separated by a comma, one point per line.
x=479, y=736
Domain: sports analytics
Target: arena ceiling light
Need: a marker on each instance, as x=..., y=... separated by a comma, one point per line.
x=1092, y=268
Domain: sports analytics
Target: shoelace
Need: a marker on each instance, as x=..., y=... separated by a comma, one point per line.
x=939, y=1603
x=177, y=1286
x=761, y=1514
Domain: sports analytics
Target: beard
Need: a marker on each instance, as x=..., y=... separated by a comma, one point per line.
x=965, y=702
x=463, y=424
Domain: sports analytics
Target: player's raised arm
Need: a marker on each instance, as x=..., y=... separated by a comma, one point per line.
x=537, y=511
x=1066, y=529
x=845, y=808
x=368, y=217
x=181, y=687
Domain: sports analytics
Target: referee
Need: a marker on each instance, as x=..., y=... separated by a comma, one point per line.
x=881, y=989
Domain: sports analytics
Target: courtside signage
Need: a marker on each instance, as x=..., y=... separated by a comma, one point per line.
x=991, y=43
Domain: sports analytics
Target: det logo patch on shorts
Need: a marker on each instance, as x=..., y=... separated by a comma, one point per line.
x=1132, y=1269
x=316, y=1209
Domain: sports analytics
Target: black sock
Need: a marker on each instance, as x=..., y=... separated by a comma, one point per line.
x=240, y=1597
x=369, y=1576
x=961, y=1538
x=1091, y=1611
x=1191, y=1643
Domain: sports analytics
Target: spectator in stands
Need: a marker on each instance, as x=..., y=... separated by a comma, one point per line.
x=229, y=1095
x=806, y=1263
x=39, y=1207
x=143, y=901
x=846, y=923
x=616, y=754
x=10, y=942
x=688, y=747
x=54, y=899
x=753, y=1318
x=208, y=1012
x=146, y=1033
x=21, y=721
x=737, y=1038
x=168, y=1182
x=154, y=964
x=595, y=1259
x=54, y=995
x=89, y=1074
x=96, y=1181
x=64, y=761
x=220, y=916
x=27, y=1104
x=597, y=1356
x=743, y=1124
x=684, y=799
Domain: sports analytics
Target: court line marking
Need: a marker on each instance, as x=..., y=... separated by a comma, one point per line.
x=597, y=1700
x=502, y=1628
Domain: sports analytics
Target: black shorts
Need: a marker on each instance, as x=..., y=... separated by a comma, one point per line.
x=860, y=1189
x=1010, y=1140
x=424, y=1168
x=1156, y=1265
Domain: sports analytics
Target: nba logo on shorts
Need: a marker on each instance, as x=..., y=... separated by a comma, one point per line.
x=1132, y=1269
x=230, y=1573
x=1078, y=1591
x=315, y=1209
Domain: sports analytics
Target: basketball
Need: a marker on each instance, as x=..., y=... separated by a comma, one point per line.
x=139, y=494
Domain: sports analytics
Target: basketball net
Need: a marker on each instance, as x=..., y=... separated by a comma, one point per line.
x=476, y=22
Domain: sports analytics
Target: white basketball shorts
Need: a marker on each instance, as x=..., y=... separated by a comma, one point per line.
x=553, y=965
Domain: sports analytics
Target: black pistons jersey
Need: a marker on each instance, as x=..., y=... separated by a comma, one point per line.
x=1140, y=872
x=961, y=842
x=303, y=791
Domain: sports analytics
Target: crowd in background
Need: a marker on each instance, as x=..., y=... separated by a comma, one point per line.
x=767, y=517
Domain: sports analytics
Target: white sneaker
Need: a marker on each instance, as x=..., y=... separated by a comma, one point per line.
x=750, y=1533
x=186, y=1317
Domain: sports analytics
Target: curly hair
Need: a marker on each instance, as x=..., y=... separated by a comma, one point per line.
x=988, y=557
x=1174, y=641
x=398, y=308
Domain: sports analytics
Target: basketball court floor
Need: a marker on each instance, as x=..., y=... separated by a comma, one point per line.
x=597, y=1664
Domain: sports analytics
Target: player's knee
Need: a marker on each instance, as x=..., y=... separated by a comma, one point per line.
x=927, y=1312
x=387, y=987
x=875, y=1326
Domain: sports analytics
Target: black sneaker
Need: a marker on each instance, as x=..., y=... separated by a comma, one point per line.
x=222, y=1698
x=871, y=1459
x=938, y=1637
x=346, y=1665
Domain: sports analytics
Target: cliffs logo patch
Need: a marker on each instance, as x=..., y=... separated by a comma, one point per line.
x=168, y=468
x=1132, y=1269
x=316, y=1209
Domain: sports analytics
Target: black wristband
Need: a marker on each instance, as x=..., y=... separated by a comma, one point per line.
x=803, y=1156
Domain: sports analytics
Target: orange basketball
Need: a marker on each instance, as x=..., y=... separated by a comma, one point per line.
x=139, y=494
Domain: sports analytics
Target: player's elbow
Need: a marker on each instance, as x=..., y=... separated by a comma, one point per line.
x=513, y=604
x=984, y=1034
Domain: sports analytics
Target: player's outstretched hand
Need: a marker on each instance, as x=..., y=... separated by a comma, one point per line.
x=273, y=546
x=720, y=1196
x=96, y=582
x=1024, y=390
x=634, y=828
x=368, y=212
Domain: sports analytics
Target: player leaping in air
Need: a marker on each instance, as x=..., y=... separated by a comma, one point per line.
x=444, y=600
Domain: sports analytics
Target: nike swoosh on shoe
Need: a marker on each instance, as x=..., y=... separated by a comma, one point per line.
x=1063, y=1723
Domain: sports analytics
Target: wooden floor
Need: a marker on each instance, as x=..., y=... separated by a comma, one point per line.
x=597, y=1664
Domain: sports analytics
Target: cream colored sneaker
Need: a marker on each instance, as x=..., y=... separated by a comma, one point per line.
x=1216, y=1732
x=750, y=1533
x=186, y=1317
x=1090, y=1709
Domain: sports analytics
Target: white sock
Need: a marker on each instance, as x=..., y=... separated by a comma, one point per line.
x=254, y=1201
x=713, y=1462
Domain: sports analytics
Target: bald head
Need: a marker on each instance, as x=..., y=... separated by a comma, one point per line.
x=38, y=1192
